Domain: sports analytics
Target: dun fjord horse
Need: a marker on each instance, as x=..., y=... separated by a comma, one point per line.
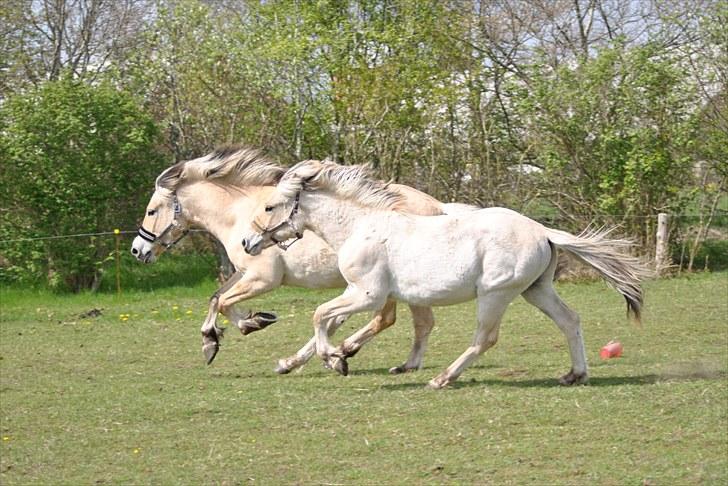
x=492, y=255
x=218, y=193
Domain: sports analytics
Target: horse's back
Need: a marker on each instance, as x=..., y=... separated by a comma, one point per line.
x=448, y=259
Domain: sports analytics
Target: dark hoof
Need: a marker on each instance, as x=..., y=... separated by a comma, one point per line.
x=571, y=378
x=282, y=369
x=338, y=364
x=210, y=351
x=398, y=370
x=257, y=322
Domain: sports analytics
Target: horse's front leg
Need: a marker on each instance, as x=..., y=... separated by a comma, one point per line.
x=211, y=333
x=303, y=355
x=382, y=319
x=350, y=302
x=423, y=320
x=239, y=287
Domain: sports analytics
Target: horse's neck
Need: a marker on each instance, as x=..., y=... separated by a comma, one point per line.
x=331, y=218
x=214, y=208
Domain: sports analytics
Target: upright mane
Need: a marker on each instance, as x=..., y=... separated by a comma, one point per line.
x=352, y=182
x=234, y=165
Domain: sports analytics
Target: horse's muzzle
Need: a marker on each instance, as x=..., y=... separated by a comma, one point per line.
x=253, y=245
x=138, y=248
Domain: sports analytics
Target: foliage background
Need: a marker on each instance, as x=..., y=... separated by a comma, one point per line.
x=574, y=112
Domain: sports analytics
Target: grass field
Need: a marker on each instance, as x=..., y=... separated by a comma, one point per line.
x=124, y=397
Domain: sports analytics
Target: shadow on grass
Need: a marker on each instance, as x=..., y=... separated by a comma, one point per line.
x=692, y=372
x=534, y=383
x=640, y=380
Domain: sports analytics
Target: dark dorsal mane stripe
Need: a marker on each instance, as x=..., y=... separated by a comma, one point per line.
x=235, y=164
x=353, y=182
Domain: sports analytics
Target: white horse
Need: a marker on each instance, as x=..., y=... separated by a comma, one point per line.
x=218, y=193
x=493, y=255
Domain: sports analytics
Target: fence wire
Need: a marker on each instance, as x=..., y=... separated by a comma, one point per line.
x=719, y=220
x=81, y=235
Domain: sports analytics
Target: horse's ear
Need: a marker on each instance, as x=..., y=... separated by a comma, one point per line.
x=305, y=183
x=171, y=177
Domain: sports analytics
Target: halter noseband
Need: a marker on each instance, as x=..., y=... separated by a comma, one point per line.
x=288, y=221
x=152, y=238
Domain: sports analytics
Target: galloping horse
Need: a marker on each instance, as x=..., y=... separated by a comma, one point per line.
x=218, y=193
x=492, y=255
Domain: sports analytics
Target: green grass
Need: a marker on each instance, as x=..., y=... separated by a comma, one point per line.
x=109, y=401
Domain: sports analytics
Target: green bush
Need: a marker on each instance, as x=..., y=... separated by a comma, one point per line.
x=76, y=158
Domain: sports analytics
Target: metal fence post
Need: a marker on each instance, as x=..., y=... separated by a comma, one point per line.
x=117, y=236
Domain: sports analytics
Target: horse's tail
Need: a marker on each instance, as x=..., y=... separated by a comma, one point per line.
x=621, y=271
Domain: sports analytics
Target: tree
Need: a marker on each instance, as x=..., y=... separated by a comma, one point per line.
x=42, y=39
x=612, y=136
x=74, y=158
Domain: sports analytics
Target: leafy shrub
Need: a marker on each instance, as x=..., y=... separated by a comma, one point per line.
x=75, y=158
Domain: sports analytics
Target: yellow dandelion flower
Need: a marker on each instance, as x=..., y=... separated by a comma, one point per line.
x=136, y=451
x=174, y=307
x=6, y=438
x=225, y=321
x=188, y=312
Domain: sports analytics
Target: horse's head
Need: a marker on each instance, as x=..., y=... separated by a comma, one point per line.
x=279, y=218
x=276, y=220
x=163, y=226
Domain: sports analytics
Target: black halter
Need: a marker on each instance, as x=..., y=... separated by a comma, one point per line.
x=152, y=238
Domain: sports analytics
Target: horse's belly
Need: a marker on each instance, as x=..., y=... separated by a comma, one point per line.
x=314, y=278
x=434, y=297
x=428, y=281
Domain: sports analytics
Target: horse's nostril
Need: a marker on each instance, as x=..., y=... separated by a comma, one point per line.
x=245, y=243
x=134, y=251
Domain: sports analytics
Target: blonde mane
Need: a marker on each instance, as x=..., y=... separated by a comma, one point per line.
x=351, y=182
x=233, y=165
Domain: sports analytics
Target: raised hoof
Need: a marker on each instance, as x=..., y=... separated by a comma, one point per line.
x=282, y=368
x=257, y=322
x=338, y=364
x=572, y=378
x=210, y=351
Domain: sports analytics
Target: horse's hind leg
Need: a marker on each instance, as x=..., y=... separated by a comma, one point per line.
x=491, y=307
x=423, y=321
x=543, y=295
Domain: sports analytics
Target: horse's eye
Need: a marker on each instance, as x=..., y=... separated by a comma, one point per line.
x=151, y=212
x=268, y=209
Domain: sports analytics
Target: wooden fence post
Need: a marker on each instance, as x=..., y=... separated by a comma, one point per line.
x=661, y=249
